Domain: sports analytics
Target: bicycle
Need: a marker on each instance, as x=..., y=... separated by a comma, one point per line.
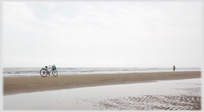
x=44, y=71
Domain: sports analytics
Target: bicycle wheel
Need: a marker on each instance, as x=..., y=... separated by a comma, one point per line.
x=54, y=73
x=43, y=72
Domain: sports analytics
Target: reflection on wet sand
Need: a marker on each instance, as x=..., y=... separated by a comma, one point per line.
x=149, y=102
x=163, y=95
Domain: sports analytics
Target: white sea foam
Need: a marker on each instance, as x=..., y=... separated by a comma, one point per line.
x=15, y=72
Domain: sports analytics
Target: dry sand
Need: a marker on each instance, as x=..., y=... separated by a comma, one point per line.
x=13, y=85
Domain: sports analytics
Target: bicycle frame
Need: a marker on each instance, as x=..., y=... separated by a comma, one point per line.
x=48, y=70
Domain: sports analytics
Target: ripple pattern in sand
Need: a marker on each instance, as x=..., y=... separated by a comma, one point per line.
x=149, y=102
x=187, y=97
x=162, y=95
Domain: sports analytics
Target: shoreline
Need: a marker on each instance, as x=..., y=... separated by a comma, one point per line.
x=16, y=85
x=98, y=73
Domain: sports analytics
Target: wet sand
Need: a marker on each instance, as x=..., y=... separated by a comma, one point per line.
x=161, y=95
x=13, y=85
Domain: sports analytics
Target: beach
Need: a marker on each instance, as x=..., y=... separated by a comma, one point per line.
x=183, y=94
x=16, y=85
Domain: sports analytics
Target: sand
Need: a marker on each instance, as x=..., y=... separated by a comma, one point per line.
x=184, y=94
x=14, y=85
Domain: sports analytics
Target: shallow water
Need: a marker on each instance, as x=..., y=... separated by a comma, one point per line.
x=35, y=71
x=162, y=95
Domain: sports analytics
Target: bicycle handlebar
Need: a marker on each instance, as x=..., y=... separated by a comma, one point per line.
x=50, y=65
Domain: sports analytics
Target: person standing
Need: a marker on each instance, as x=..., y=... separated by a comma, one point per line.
x=174, y=68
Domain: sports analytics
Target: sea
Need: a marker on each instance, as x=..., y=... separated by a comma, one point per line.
x=35, y=71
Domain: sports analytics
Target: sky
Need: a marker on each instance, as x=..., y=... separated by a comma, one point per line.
x=102, y=34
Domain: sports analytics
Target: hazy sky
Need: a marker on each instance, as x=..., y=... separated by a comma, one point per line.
x=102, y=34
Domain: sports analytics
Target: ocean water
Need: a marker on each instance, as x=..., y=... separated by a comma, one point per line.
x=35, y=71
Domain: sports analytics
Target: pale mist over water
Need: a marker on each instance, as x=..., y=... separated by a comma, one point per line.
x=35, y=71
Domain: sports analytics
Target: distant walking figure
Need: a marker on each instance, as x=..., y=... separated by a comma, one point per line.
x=174, y=68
